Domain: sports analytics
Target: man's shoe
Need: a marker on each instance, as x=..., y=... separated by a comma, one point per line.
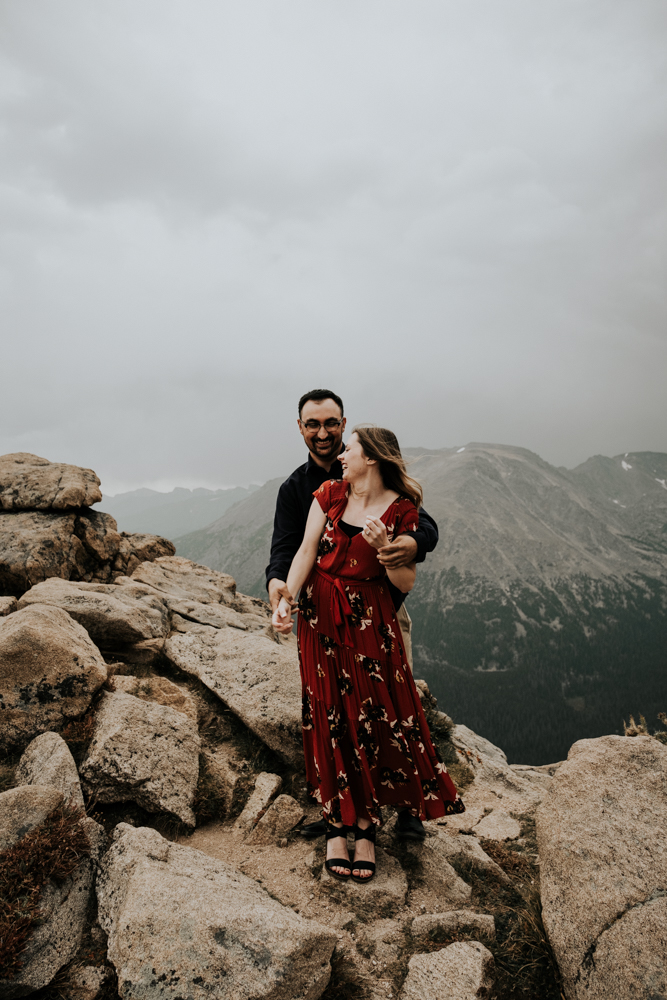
x=312, y=830
x=409, y=827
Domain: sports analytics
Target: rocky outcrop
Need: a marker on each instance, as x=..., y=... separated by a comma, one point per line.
x=279, y=819
x=159, y=689
x=110, y=615
x=181, y=923
x=462, y=971
x=498, y=794
x=145, y=753
x=47, y=528
x=24, y=808
x=186, y=580
x=47, y=761
x=256, y=676
x=63, y=903
x=49, y=672
x=266, y=788
x=28, y=482
x=604, y=868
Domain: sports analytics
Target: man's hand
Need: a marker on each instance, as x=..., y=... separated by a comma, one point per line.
x=278, y=589
x=401, y=552
x=282, y=617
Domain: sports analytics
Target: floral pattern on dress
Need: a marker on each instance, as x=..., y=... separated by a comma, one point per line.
x=327, y=544
x=388, y=637
x=306, y=710
x=328, y=644
x=361, y=616
x=372, y=667
x=307, y=609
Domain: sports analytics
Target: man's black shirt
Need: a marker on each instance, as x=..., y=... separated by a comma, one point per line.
x=293, y=505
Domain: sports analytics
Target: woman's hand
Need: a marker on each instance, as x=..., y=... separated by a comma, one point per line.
x=375, y=532
x=282, y=616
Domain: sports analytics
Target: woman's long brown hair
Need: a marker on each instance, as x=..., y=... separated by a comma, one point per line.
x=381, y=445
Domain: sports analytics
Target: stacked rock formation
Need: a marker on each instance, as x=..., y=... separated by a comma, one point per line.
x=47, y=527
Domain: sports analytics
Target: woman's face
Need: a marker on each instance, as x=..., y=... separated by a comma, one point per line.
x=353, y=460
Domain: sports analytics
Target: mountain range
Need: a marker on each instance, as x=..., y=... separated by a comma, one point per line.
x=540, y=618
x=171, y=514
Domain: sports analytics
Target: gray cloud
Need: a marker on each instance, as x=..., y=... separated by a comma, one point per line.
x=452, y=214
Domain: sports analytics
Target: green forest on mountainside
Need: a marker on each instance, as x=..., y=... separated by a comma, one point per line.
x=550, y=688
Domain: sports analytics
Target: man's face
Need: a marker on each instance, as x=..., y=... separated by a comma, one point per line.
x=323, y=442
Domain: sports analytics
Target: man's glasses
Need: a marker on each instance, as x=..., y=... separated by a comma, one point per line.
x=314, y=425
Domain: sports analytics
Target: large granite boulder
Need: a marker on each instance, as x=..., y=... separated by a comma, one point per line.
x=47, y=761
x=64, y=903
x=603, y=860
x=145, y=753
x=181, y=923
x=255, y=675
x=28, y=482
x=186, y=580
x=109, y=614
x=49, y=672
x=75, y=545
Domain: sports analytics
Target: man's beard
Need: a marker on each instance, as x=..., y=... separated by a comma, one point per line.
x=332, y=451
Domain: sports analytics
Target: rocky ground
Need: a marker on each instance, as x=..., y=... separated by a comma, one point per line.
x=153, y=792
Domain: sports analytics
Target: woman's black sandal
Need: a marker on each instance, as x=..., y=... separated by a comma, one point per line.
x=331, y=863
x=367, y=866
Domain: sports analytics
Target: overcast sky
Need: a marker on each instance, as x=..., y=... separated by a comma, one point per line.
x=452, y=213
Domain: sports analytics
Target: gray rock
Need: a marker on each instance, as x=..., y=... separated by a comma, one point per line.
x=462, y=971
x=7, y=605
x=227, y=775
x=255, y=676
x=47, y=761
x=465, y=850
x=88, y=981
x=384, y=942
x=279, y=819
x=24, y=808
x=49, y=672
x=186, y=580
x=498, y=825
x=182, y=923
x=145, y=753
x=436, y=926
x=35, y=545
x=75, y=545
x=28, y=482
x=108, y=613
x=266, y=787
x=158, y=689
x=604, y=868
x=437, y=879
x=64, y=909
x=217, y=615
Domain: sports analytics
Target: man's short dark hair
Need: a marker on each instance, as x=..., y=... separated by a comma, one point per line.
x=317, y=395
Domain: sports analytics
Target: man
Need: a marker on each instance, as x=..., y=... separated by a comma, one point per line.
x=322, y=424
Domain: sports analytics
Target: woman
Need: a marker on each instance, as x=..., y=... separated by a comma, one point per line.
x=366, y=739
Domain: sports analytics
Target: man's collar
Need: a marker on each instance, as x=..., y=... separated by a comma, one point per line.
x=311, y=465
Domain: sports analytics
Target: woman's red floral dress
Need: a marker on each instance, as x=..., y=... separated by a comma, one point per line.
x=365, y=737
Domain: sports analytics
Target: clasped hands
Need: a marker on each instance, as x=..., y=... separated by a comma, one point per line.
x=392, y=555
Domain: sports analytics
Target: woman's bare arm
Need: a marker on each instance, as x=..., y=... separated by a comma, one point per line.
x=302, y=564
x=403, y=577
